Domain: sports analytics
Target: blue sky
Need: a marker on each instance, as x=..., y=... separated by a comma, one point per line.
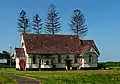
x=102, y=19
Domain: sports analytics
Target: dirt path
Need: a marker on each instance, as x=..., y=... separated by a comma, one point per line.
x=23, y=80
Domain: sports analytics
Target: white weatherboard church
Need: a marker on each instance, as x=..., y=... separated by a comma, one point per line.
x=42, y=51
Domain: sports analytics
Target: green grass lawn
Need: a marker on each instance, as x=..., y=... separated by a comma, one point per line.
x=72, y=77
x=5, y=80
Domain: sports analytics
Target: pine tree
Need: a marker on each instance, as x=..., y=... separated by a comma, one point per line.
x=77, y=24
x=23, y=22
x=36, y=24
x=52, y=25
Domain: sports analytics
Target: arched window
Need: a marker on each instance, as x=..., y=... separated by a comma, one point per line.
x=90, y=58
x=75, y=59
x=67, y=57
x=47, y=62
x=59, y=58
x=34, y=60
x=22, y=44
x=53, y=61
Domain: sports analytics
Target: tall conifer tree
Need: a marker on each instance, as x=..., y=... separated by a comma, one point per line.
x=52, y=25
x=36, y=24
x=77, y=23
x=23, y=22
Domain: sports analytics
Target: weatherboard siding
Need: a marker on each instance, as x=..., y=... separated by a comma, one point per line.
x=63, y=64
x=93, y=62
x=29, y=61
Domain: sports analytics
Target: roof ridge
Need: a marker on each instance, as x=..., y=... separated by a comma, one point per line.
x=49, y=34
x=88, y=40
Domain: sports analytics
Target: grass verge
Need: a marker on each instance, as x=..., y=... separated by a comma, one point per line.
x=72, y=77
x=6, y=80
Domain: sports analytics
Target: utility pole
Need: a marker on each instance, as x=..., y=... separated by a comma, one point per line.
x=10, y=55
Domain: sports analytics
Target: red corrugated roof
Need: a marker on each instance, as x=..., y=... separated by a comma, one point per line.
x=43, y=43
x=51, y=44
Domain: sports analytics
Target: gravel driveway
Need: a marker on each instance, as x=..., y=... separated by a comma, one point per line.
x=23, y=80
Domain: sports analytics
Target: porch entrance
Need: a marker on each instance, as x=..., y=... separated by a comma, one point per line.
x=22, y=64
x=68, y=63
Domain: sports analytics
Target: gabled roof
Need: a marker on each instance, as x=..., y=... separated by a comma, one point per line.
x=51, y=44
x=42, y=43
x=87, y=44
x=19, y=52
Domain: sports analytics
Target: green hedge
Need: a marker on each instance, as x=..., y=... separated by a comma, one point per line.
x=110, y=64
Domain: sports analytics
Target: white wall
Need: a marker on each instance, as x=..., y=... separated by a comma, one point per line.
x=17, y=63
